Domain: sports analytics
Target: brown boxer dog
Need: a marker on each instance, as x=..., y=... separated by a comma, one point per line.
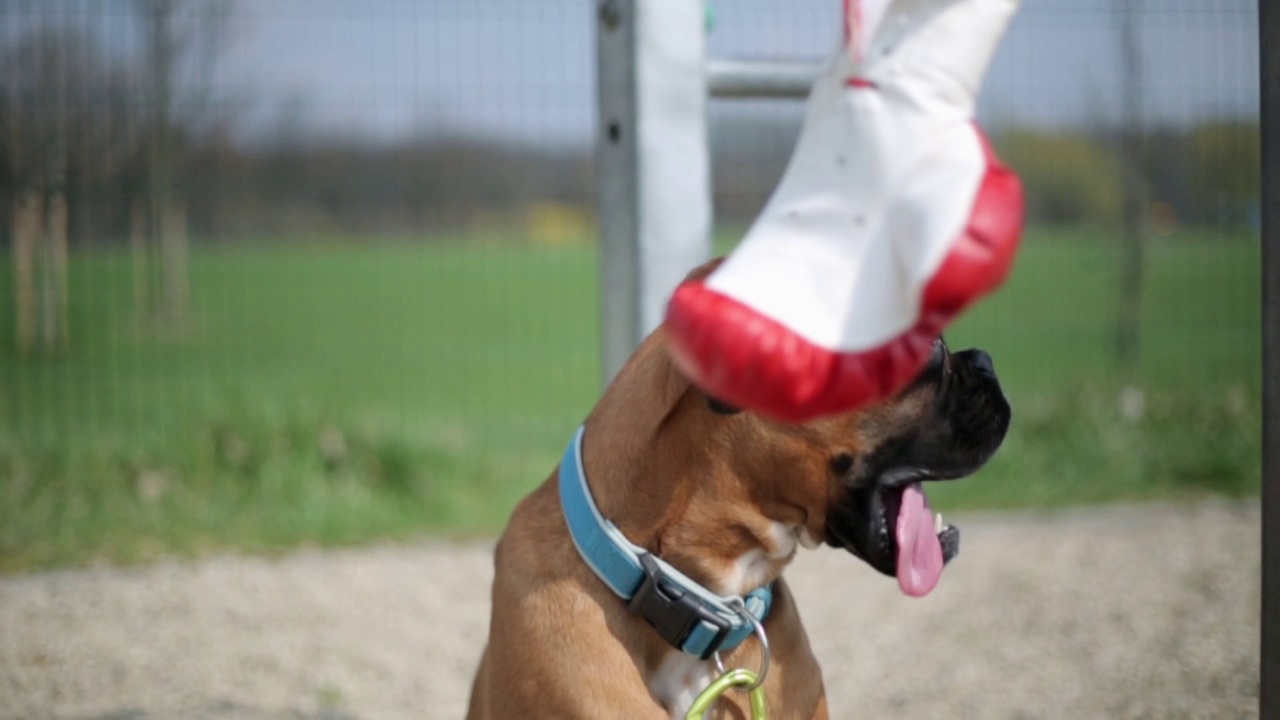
x=726, y=497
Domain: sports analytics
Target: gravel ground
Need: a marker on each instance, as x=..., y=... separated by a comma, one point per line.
x=1124, y=612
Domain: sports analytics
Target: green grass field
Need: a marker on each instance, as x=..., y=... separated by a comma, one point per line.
x=337, y=393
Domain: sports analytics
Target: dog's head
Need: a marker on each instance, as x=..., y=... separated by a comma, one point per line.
x=857, y=480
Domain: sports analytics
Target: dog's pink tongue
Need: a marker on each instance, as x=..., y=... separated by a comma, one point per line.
x=919, y=550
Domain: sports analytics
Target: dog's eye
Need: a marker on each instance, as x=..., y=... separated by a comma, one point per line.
x=721, y=408
x=840, y=464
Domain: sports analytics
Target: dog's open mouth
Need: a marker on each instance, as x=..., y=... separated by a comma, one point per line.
x=895, y=531
x=921, y=544
x=882, y=514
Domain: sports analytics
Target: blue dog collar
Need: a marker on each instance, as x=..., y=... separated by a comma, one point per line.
x=686, y=614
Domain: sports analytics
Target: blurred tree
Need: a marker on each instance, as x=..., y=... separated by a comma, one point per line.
x=1132, y=149
x=74, y=122
x=1071, y=179
x=63, y=121
x=1227, y=177
x=180, y=35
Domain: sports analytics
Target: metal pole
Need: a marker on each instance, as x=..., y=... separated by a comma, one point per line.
x=618, y=199
x=652, y=160
x=761, y=79
x=1269, y=47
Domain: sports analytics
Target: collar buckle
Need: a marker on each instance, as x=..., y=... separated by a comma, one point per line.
x=673, y=611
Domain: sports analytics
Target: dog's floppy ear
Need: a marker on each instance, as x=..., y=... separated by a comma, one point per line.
x=703, y=270
x=720, y=407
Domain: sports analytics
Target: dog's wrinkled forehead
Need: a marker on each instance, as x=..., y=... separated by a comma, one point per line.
x=937, y=365
x=912, y=408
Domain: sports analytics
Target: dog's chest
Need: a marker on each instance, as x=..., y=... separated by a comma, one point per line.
x=679, y=679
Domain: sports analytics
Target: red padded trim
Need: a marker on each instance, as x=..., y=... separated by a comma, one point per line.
x=741, y=357
x=745, y=359
x=853, y=31
x=981, y=257
x=851, y=11
x=859, y=82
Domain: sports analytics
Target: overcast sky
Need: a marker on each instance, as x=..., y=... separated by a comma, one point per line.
x=524, y=69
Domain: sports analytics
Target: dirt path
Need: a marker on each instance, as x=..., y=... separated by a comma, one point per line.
x=1147, y=612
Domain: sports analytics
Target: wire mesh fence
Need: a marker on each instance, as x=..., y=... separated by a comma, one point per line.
x=325, y=270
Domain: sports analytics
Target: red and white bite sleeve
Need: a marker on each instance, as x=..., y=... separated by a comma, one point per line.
x=893, y=215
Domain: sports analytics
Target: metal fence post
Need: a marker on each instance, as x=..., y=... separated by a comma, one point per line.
x=761, y=78
x=1269, y=48
x=652, y=159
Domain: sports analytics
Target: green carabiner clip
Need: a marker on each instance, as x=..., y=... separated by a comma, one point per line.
x=733, y=678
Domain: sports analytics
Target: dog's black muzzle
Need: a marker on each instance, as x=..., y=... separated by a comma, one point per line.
x=960, y=432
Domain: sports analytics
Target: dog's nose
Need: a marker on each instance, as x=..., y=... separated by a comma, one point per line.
x=980, y=360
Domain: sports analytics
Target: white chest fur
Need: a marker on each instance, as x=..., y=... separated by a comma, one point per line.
x=680, y=677
x=678, y=681
x=754, y=567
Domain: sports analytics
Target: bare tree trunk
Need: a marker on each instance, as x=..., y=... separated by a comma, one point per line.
x=173, y=259
x=171, y=269
x=53, y=252
x=40, y=272
x=26, y=236
x=138, y=235
x=56, y=333
x=178, y=34
x=1132, y=148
